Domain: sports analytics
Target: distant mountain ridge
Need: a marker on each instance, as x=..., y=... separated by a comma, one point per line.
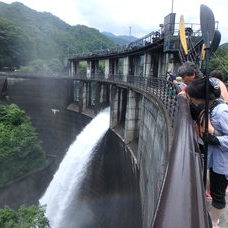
x=121, y=40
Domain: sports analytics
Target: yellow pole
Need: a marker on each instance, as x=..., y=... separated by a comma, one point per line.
x=182, y=35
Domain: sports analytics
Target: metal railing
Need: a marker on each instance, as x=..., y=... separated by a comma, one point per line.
x=149, y=39
x=152, y=38
x=166, y=91
x=159, y=87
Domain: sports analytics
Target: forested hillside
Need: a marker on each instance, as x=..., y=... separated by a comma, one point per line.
x=219, y=60
x=42, y=40
x=20, y=148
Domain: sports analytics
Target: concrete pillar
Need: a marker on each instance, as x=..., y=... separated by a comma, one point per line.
x=166, y=63
x=77, y=69
x=126, y=65
x=72, y=68
x=107, y=66
x=131, y=129
x=102, y=92
x=161, y=65
x=147, y=65
x=83, y=97
x=114, y=106
x=170, y=62
x=93, y=93
x=152, y=66
x=76, y=91
x=97, y=102
x=89, y=69
x=115, y=65
x=106, y=94
x=96, y=67
x=137, y=65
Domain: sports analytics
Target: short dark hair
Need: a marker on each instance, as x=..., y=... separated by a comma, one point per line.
x=217, y=74
x=187, y=69
x=197, y=89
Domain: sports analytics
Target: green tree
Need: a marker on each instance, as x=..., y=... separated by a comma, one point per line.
x=15, y=46
x=26, y=217
x=219, y=60
x=20, y=148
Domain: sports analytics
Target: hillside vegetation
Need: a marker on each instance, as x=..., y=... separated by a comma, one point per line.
x=20, y=148
x=41, y=41
x=25, y=217
x=219, y=60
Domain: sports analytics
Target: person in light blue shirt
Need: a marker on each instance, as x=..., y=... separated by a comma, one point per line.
x=217, y=140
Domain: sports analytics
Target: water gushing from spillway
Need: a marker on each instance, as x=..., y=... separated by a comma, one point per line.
x=65, y=185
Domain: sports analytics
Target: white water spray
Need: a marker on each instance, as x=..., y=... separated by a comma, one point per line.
x=67, y=179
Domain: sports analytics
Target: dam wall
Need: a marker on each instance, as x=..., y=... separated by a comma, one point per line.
x=110, y=192
x=153, y=154
x=132, y=179
x=56, y=128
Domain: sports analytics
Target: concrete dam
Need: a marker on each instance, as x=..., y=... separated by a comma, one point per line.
x=146, y=171
x=131, y=179
x=110, y=188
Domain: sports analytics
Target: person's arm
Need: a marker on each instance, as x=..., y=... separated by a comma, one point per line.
x=223, y=122
x=224, y=93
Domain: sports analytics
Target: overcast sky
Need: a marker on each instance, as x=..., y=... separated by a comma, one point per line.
x=116, y=16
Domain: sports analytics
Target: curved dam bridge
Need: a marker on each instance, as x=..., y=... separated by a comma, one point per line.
x=147, y=171
x=156, y=127
x=151, y=120
x=150, y=129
